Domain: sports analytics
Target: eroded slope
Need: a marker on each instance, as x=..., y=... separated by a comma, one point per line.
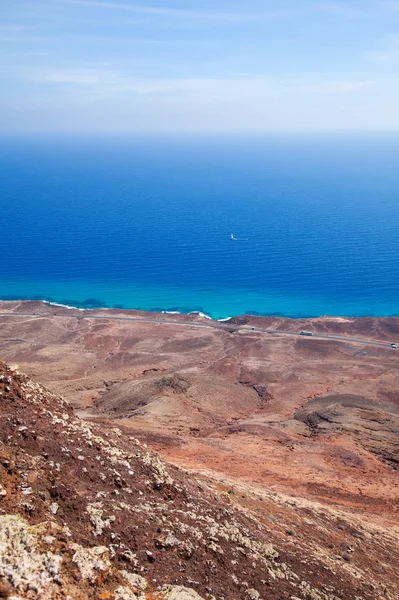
x=87, y=512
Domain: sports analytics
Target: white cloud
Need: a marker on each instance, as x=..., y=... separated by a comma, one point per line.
x=116, y=83
x=68, y=77
x=184, y=13
x=351, y=10
x=205, y=106
x=4, y=27
x=338, y=87
x=11, y=37
x=103, y=100
x=35, y=53
x=337, y=8
x=347, y=10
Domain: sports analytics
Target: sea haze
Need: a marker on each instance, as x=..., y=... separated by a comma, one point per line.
x=145, y=223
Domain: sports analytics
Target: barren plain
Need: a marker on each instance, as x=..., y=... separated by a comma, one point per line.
x=315, y=418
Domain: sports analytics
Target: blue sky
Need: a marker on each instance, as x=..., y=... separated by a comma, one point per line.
x=199, y=65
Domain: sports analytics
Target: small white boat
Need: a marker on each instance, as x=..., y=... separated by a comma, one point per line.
x=232, y=236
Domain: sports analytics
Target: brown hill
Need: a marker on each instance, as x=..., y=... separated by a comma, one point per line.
x=310, y=417
x=87, y=512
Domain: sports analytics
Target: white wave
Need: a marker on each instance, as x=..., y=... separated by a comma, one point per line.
x=225, y=319
x=64, y=305
x=200, y=314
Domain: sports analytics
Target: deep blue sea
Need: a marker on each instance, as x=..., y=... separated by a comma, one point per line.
x=146, y=223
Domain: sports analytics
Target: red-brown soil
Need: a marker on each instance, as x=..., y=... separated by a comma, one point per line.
x=310, y=418
x=87, y=513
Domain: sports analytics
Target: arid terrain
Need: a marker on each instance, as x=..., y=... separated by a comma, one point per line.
x=88, y=513
x=300, y=432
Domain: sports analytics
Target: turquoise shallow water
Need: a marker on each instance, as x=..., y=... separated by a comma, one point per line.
x=218, y=305
x=146, y=224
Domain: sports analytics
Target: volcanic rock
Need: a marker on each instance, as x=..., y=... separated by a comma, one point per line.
x=121, y=504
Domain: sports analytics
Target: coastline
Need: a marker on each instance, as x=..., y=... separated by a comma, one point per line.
x=216, y=303
x=94, y=305
x=369, y=329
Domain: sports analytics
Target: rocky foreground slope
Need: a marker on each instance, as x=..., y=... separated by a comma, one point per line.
x=87, y=512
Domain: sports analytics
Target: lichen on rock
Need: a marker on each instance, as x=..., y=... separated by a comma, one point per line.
x=91, y=562
x=21, y=561
x=178, y=592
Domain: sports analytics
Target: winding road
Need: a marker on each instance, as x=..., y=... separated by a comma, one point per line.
x=211, y=324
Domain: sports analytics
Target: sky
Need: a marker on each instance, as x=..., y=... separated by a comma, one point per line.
x=199, y=65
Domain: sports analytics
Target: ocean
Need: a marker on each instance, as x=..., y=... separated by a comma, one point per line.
x=145, y=222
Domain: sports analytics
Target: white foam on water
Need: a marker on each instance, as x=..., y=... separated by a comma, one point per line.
x=200, y=314
x=64, y=305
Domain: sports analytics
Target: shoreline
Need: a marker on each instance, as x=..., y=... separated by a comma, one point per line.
x=199, y=313
x=375, y=331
